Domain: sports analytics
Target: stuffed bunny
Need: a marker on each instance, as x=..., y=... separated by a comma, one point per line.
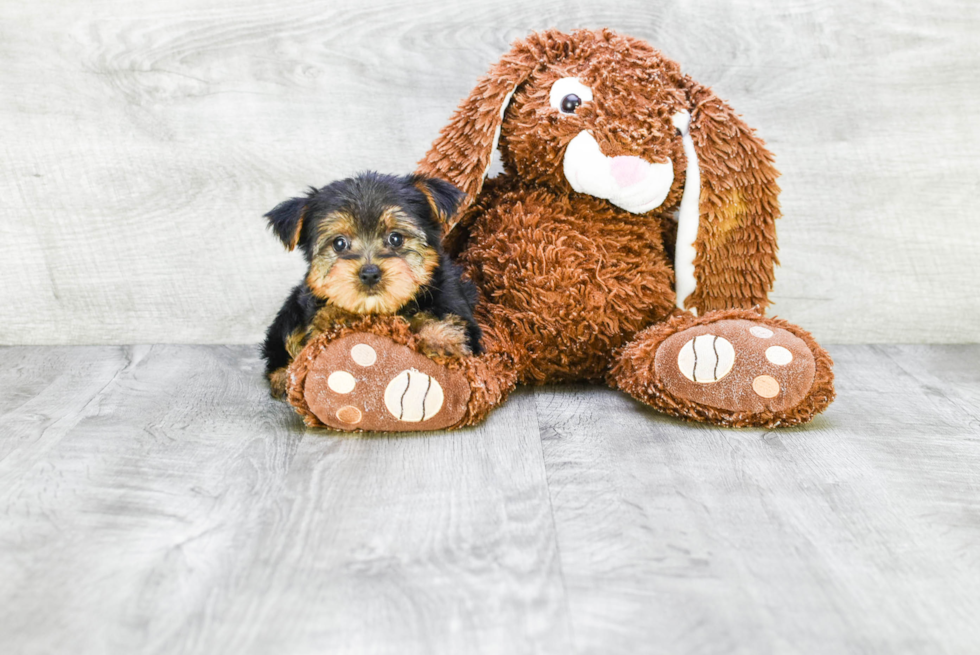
x=630, y=240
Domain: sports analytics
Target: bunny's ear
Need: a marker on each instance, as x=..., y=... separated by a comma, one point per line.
x=735, y=249
x=463, y=151
x=286, y=220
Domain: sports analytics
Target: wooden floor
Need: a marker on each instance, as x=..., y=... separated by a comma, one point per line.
x=153, y=499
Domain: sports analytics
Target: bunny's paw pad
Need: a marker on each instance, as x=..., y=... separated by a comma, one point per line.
x=368, y=382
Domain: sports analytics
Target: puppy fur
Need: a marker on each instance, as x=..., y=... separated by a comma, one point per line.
x=373, y=245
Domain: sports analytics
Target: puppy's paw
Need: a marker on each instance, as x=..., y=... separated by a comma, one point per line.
x=277, y=383
x=442, y=338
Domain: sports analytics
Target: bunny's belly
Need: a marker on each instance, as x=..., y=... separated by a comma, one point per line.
x=564, y=281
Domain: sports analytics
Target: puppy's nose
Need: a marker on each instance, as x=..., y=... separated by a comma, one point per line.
x=370, y=274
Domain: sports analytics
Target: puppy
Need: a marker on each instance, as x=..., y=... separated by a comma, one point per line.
x=373, y=245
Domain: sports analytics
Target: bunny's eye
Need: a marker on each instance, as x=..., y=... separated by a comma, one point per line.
x=570, y=103
x=568, y=94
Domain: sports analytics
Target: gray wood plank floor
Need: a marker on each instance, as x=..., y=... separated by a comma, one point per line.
x=155, y=500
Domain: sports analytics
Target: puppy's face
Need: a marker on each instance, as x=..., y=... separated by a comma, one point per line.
x=372, y=241
x=370, y=262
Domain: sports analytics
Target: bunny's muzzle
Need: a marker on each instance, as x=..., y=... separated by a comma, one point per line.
x=629, y=182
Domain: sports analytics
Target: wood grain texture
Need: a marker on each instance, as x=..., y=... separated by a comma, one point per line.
x=119, y=529
x=143, y=141
x=156, y=500
x=854, y=534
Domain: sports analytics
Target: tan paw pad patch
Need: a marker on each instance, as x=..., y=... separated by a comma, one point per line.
x=413, y=396
x=363, y=355
x=778, y=355
x=349, y=414
x=706, y=359
x=766, y=386
x=341, y=382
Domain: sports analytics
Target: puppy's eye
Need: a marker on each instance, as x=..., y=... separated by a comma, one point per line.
x=395, y=240
x=340, y=244
x=568, y=94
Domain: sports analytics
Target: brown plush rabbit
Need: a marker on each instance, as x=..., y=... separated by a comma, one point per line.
x=630, y=239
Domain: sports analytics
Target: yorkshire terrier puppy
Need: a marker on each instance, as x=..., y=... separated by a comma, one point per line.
x=373, y=243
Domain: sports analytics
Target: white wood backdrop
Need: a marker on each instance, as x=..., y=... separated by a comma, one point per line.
x=141, y=142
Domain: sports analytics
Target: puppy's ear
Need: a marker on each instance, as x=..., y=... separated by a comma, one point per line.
x=286, y=220
x=443, y=197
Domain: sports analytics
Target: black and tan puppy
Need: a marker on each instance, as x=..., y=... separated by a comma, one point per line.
x=373, y=244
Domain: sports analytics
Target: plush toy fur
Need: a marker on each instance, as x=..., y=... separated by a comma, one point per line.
x=573, y=251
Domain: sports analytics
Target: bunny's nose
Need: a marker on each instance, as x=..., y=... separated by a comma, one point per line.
x=370, y=274
x=627, y=171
